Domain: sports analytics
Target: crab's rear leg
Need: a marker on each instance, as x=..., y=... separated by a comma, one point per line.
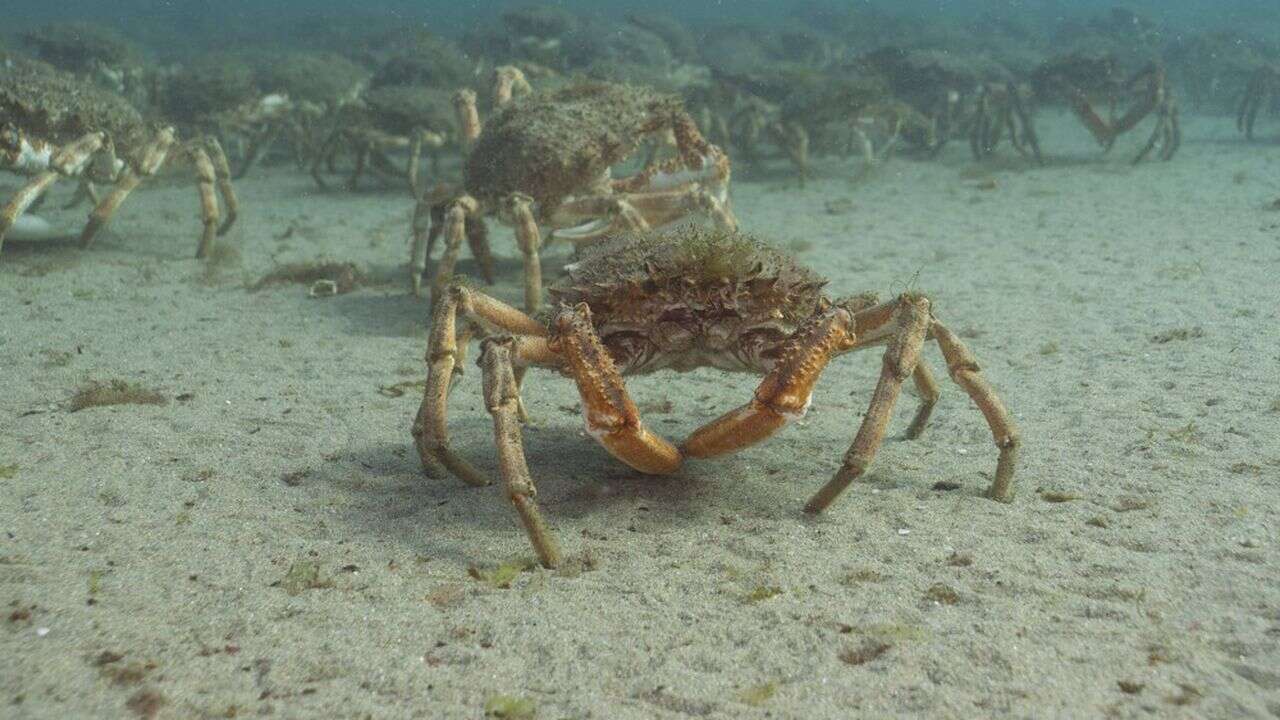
x=611, y=416
x=502, y=398
x=785, y=392
x=444, y=354
x=67, y=161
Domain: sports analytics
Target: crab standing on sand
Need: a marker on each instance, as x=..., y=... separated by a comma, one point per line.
x=1081, y=80
x=695, y=297
x=1263, y=91
x=54, y=125
x=547, y=158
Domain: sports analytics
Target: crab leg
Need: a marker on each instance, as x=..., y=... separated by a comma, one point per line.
x=520, y=208
x=929, y=393
x=205, y=178
x=222, y=179
x=912, y=315
x=456, y=217
x=464, y=105
x=502, y=398
x=444, y=354
x=1256, y=96
x=1162, y=134
x=153, y=156
x=611, y=416
x=1098, y=127
x=426, y=230
x=1024, y=118
x=69, y=160
x=784, y=394
x=966, y=373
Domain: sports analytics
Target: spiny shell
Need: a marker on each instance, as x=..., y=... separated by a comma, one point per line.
x=553, y=144
x=690, y=270
x=58, y=107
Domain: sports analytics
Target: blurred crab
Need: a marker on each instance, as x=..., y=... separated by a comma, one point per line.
x=691, y=298
x=1002, y=110
x=548, y=158
x=54, y=125
x=387, y=118
x=1263, y=91
x=1081, y=80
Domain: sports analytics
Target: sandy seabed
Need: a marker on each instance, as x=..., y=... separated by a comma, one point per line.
x=265, y=544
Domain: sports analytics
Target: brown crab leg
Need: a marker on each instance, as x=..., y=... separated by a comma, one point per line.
x=153, y=156
x=611, y=416
x=966, y=373
x=205, y=179
x=445, y=348
x=464, y=105
x=325, y=157
x=502, y=398
x=1024, y=119
x=426, y=230
x=456, y=217
x=784, y=394
x=222, y=178
x=1098, y=127
x=69, y=160
x=520, y=209
x=929, y=393
x=900, y=361
x=1154, y=96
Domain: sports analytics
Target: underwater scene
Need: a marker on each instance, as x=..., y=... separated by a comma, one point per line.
x=567, y=360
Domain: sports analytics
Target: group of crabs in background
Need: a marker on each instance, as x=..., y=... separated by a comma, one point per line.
x=570, y=100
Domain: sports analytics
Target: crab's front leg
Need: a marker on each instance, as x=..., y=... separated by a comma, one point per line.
x=900, y=360
x=445, y=348
x=502, y=399
x=611, y=416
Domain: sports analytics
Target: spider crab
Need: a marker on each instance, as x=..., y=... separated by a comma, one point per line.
x=690, y=298
x=1081, y=80
x=546, y=159
x=54, y=125
x=1263, y=91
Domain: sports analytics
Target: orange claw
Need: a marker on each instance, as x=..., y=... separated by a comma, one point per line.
x=612, y=417
x=785, y=392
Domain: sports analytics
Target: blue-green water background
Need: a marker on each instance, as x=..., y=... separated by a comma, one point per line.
x=453, y=17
